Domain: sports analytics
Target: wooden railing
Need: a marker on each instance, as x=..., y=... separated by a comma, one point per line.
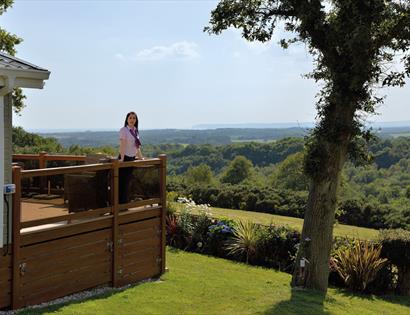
x=100, y=218
x=44, y=157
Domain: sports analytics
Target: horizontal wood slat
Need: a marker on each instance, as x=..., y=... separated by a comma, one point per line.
x=140, y=225
x=69, y=217
x=65, y=170
x=138, y=215
x=25, y=156
x=65, y=231
x=61, y=246
x=135, y=246
x=5, y=300
x=139, y=163
x=5, y=279
x=147, y=256
x=80, y=158
x=139, y=203
x=38, y=272
x=54, y=280
x=73, y=283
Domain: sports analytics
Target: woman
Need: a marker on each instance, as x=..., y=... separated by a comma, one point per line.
x=130, y=144
x=130, y=149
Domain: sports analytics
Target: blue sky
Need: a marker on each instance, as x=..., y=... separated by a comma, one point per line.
x=109, y=57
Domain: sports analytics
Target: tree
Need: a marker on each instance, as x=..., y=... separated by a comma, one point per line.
x=201, y=174
x=238, y=170
x=353, y=43
x=289, y=173
x=8, y=42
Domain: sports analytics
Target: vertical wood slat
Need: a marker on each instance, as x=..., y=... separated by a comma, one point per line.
x=115, y=223
x=42, y=164
x=16, y=219
x=163, y=196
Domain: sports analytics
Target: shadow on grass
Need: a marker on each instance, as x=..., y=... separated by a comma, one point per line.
x=301, y=302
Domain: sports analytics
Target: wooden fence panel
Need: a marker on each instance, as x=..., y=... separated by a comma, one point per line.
x=63, y=266
x=5, y=279
x=139, y=250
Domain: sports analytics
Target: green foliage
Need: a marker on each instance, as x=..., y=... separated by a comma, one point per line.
x=289, y=173
x=244, y=240
x=25, y=142
x=249, y=197
x=201, y=174
x=238, y=170
x=276, y=247
x=359, y=264
x=396, y=246
x=8, y=42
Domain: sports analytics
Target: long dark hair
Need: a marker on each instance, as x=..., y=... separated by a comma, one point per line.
x=126, y=120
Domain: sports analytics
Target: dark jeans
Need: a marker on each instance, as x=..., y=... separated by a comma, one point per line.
x=125, y=175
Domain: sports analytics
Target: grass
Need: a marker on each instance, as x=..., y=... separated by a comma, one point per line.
x=296, y=223
x=198, y=284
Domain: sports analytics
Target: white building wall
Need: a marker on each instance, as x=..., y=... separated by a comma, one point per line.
x=8, y=148
x=3, y=228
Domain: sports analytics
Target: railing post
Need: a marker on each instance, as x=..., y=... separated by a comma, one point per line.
x=16, y=219
x=163, y=197
x=115, y=223
x=42, y=163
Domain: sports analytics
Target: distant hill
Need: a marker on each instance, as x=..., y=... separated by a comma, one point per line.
x=181, y=136
x=217, y=136
x=256, y=125
x=388, y=124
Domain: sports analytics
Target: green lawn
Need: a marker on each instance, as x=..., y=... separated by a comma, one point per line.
x=296, y=223
x=198, y=284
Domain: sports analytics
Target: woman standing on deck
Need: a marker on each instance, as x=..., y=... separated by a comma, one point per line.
x=130, y=150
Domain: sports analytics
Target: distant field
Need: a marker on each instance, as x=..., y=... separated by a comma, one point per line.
x=296, y=223
x=396, y=135
x=253, y=140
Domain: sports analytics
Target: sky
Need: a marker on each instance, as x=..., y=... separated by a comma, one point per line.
x=110, y=57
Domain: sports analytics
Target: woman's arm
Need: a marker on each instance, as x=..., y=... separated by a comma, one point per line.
x=122, y=149
x=139, y=154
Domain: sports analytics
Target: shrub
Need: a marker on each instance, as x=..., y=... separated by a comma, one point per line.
x=200, y=228
x=396, y=247
x=244, y=240
x=277, y=246
x=359, y=264
x=218, y=234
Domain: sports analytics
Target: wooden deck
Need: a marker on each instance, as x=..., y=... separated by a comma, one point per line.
x=55, y=253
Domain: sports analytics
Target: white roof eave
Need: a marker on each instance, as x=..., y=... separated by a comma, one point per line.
x=24, y=78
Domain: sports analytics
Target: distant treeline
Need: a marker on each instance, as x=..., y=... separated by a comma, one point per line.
x=209, y=136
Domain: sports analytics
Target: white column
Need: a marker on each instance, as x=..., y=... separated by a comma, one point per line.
x=1, y=170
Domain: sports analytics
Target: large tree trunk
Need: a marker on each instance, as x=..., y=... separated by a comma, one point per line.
x=312, y=262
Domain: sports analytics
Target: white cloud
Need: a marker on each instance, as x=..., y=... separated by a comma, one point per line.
x=179, y=50
x=120, y=56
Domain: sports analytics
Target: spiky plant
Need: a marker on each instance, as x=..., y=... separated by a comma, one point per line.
x=244, y=240
x=359, y=264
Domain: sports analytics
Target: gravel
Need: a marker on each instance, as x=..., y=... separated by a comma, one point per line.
x=78, y=296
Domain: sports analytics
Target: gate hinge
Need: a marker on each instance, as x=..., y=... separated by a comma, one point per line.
x=23, y=268
x=110, y=246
